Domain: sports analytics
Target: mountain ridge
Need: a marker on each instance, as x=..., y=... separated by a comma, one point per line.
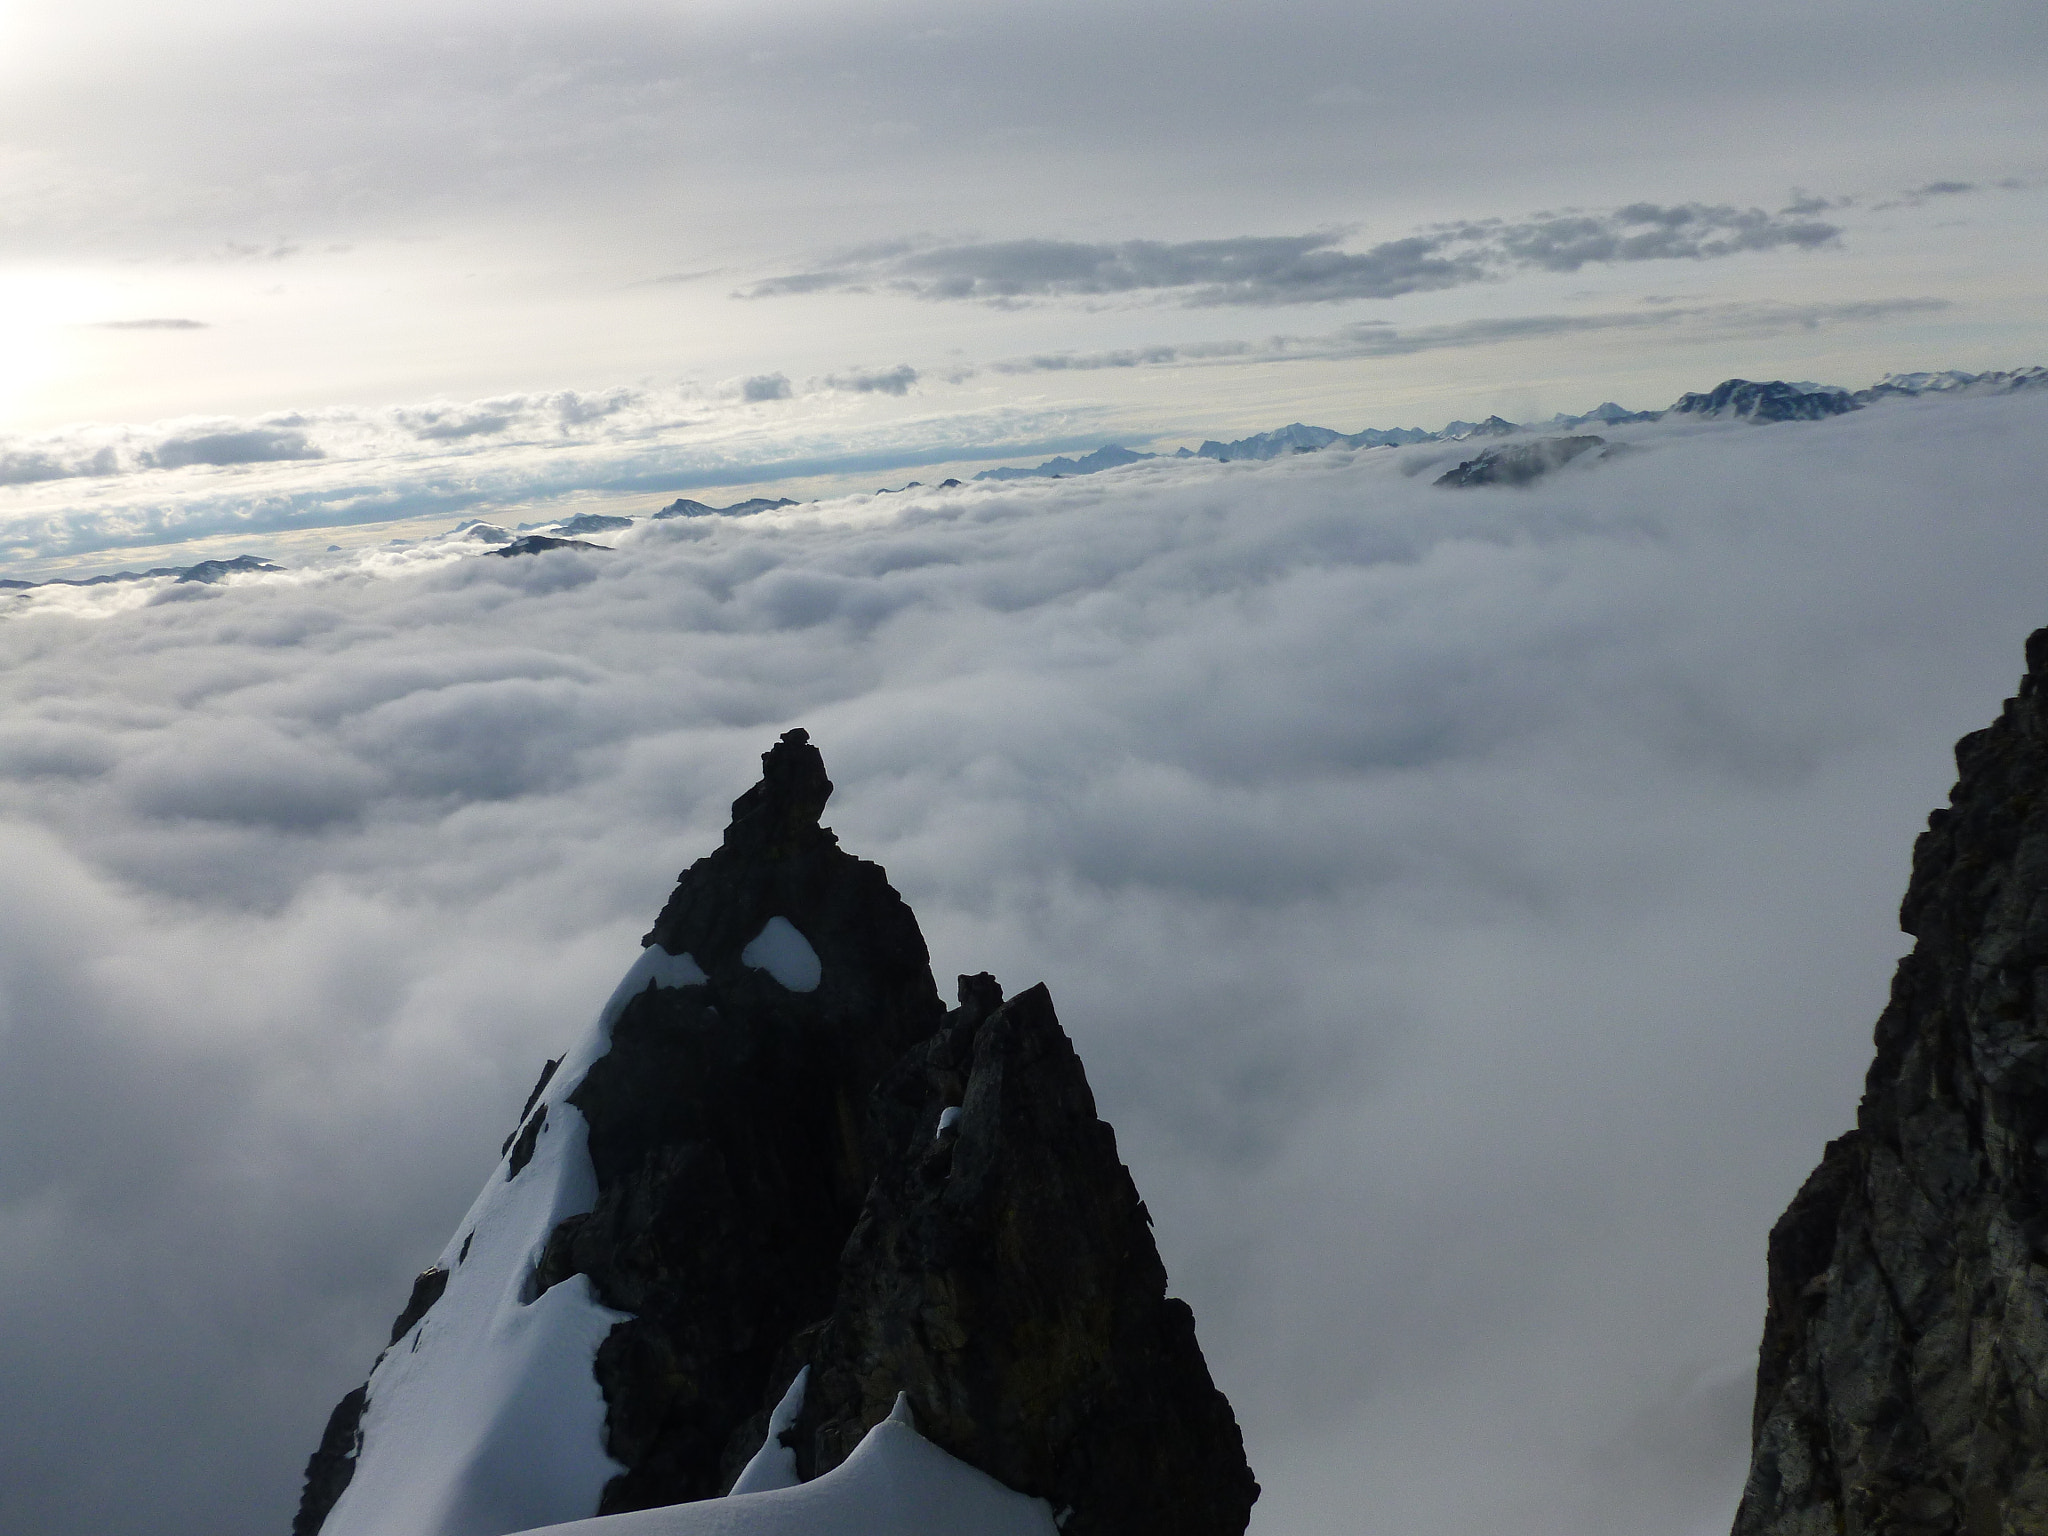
x=779, y=1160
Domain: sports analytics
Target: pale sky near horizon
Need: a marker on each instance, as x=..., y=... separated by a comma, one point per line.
x=859, y=235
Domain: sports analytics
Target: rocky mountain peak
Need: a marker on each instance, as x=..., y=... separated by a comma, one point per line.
x=778, y=1198
x=779, y=813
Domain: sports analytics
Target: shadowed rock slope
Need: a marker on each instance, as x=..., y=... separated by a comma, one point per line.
x=774, y=1191
x=1902, y=1386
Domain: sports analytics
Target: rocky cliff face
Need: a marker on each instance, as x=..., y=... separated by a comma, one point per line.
x=800, y=1159
x=1903, y=1382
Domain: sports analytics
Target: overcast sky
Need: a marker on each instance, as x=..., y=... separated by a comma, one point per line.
x=1472, y=909
x=836, y=237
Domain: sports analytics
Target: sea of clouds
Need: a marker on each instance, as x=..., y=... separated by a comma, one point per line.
x=1471, y=905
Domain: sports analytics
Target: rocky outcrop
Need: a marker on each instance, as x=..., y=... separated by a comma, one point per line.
x=1775, y=401
x=1902, y=1386
x=802, y=1160
x=540, y=543
x=1003, y=1275
x=1523, y=462
x=727, y=1128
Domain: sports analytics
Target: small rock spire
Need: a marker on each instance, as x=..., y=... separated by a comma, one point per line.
x=776, y=813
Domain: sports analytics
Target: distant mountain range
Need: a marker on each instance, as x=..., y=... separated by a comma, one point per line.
x=1732, y=400
x=1109, y=457
x=204, y=571
x=1737, y=399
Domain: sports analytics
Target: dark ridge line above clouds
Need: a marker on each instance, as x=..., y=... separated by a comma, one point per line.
x=1732, y=399
x=205, y=573
x=164, y=323
x=1276, y=270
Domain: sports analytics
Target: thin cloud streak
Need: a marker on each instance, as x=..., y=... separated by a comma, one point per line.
x=1382, y=339
x=1311, y=269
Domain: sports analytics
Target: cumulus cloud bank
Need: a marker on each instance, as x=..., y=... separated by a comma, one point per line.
x=1310, y=269
x=1472, y=908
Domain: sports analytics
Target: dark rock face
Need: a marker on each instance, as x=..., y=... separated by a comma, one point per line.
x=1775, y=401
x=334, y=1463
x=1003, y=1274
x=774, y=1191
x=1522, y=463
x=726, y=1131
x=537, y=543
x=219, y=570
x=1903, y=1381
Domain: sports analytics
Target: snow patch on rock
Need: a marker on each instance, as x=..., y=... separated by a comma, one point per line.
x=486, y=1416
x=774, y=1465
x=784, y=954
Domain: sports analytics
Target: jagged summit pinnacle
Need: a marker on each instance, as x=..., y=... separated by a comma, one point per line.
x=777, y=1191
x=783, y=809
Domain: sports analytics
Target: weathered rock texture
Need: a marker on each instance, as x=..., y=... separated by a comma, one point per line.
x=1003, y=1275
x=774, y=1192
x=1903, y=1381
x=727, y=1131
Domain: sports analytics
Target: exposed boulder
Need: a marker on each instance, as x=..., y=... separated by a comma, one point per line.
x=1902, y=1385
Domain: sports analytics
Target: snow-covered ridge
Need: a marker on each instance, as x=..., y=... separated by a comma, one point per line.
x=896, y=1483
x=485, y=1415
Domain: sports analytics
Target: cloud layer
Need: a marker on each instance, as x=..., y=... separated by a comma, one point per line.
x=1310, y=269
x=1472, y=909
x=105, y=487
x=1379, y=338
x=96, y=486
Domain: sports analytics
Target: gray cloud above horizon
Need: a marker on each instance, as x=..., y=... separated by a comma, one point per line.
x=1377, y=338
x=896, y=381
x=1273, y=270
x=1472, y=910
